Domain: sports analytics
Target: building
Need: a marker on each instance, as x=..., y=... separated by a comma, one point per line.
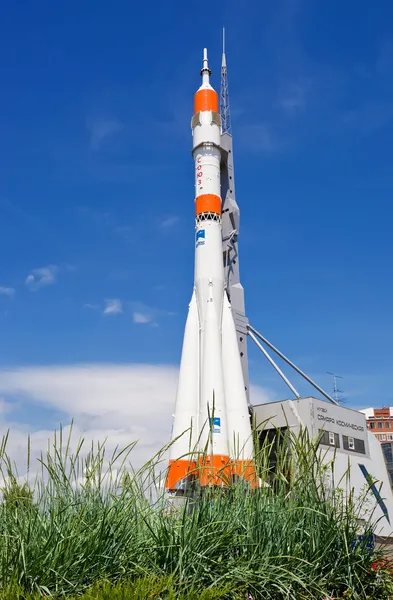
x=380, y=423
x=345, y=438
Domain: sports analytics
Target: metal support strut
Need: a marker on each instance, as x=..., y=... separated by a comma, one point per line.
x=283, y=377
x=253, y=332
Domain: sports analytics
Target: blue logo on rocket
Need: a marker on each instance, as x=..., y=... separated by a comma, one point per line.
x=215, y=424
x=200, y=238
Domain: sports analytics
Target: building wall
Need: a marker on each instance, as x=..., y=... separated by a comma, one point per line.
x=380, y=423
x=387, y=449
x=346, y=440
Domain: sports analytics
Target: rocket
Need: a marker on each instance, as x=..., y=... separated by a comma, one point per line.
x=211, y=435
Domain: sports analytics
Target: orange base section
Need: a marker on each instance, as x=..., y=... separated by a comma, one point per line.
x=214, y=470
x=178, y=470
x=245, y=469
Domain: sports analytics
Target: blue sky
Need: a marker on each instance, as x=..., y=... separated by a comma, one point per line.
x=96, y=193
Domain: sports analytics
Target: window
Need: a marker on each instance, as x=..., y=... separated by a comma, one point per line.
x=372, y=425
x=380, y=425
x=387, y=452
x=382, y=437
x=354, y=444
x=375, y=491
x=387, y=425
x=328, y=438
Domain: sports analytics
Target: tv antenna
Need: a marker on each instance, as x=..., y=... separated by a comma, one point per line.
x=336, y=392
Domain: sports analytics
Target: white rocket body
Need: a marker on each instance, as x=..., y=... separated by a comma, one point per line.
x=211, y=396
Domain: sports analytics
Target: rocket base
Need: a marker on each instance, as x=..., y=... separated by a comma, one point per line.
x=180, y=471
x=210, y=471
x=214, y=470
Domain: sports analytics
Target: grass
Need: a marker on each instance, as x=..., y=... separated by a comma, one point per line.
x=89, y=524
x=152, y=588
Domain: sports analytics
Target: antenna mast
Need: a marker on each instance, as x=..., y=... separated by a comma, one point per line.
x=225, y=110
x=230, y=223
x=336, y=391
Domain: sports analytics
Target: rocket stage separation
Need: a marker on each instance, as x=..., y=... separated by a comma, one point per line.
x=211, y=402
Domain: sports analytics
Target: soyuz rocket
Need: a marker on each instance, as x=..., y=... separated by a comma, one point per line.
x=211, y=435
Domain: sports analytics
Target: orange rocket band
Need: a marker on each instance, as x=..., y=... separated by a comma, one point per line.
x=205, y=99
x=208, y=203
x=178, y=470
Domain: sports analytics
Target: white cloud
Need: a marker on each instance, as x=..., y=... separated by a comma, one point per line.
x=169, y=222
x=120, y=403
x=261, y=395
x=7, y=291
x=260, y=137
x=91, y=306
x=120, y=275
x=70, y=268
x=100, y=129
x=113, y=307
x=292, y=98
x=142, y=317
x=5, y=407
x=41, y=277
x=143, y=314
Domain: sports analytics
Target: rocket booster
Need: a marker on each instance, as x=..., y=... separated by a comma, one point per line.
x=211, y=399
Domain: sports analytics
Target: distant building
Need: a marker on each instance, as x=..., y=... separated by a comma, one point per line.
x=380, y=422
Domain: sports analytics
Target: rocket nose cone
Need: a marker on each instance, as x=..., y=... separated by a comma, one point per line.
x=206, y=98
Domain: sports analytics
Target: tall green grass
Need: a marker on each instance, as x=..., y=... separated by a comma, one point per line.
x=91, y=518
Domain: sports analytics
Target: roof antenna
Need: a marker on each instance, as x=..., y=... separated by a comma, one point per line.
x=336, y=392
